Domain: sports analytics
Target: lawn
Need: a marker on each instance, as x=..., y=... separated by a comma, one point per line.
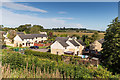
x=101, y=35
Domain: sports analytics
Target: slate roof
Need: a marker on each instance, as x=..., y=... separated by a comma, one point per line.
x=62, y=38
x=19, y=33
x=74, y=42
x=81, y=42
x=62, y=41
x=31, y=36
x=101, y=41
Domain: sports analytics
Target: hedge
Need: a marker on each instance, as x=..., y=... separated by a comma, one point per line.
x=43, y=55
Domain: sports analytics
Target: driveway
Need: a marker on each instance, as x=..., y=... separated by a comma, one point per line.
x=40, y=50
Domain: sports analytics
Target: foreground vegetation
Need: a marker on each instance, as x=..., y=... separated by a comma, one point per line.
x=16, y=65
x=111, y=47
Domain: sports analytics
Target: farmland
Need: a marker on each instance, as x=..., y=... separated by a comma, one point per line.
x=101, y=35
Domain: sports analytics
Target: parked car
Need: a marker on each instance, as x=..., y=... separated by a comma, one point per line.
x=49, y=50
x=4, y=46
x=34, y=47
x=93, y=51
x=48, y=47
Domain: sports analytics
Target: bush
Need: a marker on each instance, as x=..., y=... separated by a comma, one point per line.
x=16, y=60
x=43, y=55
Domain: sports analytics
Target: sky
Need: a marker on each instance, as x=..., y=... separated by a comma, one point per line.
x=90, y=15
x=119, y=11
x=60, y=0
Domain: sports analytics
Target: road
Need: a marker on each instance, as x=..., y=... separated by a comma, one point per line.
x=40, y=50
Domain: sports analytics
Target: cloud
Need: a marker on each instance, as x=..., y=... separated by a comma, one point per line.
x=65, y=18
x=62, y=12
x=11, y=19
x=17, y=6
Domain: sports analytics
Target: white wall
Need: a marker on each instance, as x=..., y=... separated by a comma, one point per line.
x=57, y=47
x=17, y=38
x=71, y=46
x=96, y=46
x=40, y=39
x=81, y=47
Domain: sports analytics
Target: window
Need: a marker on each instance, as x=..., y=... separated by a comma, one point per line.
x=77, y=52
x=23, y=43
x=36, y=37
x=57, y=52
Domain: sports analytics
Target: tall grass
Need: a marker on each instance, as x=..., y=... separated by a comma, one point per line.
x=7, y=72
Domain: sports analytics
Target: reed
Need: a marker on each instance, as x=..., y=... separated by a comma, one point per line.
x=27, y=73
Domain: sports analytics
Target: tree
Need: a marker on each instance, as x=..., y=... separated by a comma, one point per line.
x=36, y=28
x=111, y=47
x=11, y=34
x=25, y=28
x=94, y=36
x=1, y=27
x=50, y=34
x=84, y=37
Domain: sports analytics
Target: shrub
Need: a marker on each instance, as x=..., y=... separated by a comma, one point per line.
x=43, y=55
x=16, y=60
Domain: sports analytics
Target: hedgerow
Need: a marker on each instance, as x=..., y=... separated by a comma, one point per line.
x=43, y=55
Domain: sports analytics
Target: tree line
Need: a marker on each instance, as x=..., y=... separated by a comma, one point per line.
x=28, y=28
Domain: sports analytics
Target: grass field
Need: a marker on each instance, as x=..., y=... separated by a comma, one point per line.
x=101, y=35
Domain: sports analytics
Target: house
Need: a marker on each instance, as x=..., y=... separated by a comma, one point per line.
x=66, y=45
x=11, y=31
x=9, y=41
x=18, y=33
x=1, y=35
x=43, y=33
x=97, y=45
x=26, y=40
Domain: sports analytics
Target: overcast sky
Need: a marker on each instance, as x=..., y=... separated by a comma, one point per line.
x=91, y=15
